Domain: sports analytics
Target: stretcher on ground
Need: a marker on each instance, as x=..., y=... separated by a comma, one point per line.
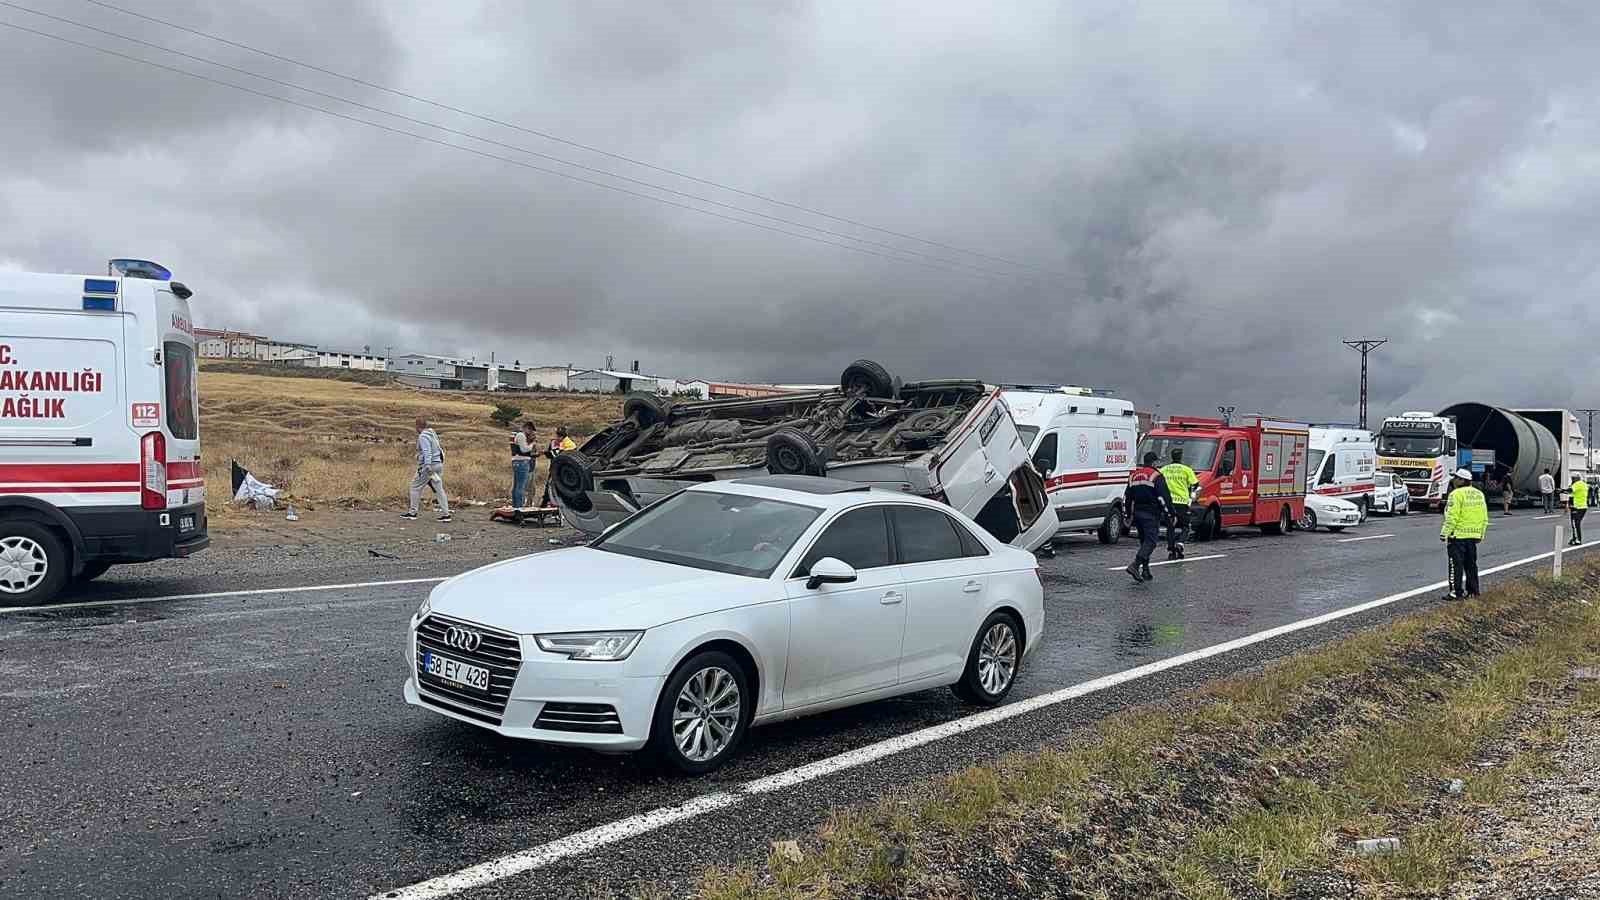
x=539, y=516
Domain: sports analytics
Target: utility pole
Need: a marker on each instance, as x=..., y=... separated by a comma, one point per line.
x=1365, y=345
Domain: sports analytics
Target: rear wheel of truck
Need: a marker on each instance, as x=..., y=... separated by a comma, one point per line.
x=793, y=452
x=1281, y=526
x=867, y=378
x=1111, y=529
x=573, y=474
x=34, y=563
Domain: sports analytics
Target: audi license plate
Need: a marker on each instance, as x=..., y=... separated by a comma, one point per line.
x=456, y=672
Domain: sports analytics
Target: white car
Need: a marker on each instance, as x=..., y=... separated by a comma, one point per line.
x=727, y=605
x=1330, y=513
x=1389, y=494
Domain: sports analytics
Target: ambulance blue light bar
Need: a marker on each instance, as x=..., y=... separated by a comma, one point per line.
x=139, y=268
x=100, y=294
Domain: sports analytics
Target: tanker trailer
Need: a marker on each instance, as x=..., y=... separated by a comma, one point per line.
x=1527, y=441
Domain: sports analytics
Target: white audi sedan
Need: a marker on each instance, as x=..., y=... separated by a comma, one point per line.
x=724, y=606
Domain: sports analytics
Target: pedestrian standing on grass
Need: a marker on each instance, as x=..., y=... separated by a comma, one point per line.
x=1547, y=492
x=522, y=463
x=561, y=444
x=1466, y=521
x=1580, y=506
x=1148, y=499
x=430, y=472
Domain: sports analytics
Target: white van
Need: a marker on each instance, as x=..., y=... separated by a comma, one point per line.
x=1341, y=461
x=99, y=427
x=1083, y=443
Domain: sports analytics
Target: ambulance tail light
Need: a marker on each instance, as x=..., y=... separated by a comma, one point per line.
x=153, y=471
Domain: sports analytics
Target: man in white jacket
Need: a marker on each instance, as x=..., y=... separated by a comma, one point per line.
x=430, y=472
x=1547, y=491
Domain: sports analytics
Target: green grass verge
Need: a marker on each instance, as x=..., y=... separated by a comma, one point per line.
x=1242, y=788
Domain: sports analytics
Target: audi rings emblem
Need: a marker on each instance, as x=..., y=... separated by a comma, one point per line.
x=462, y=638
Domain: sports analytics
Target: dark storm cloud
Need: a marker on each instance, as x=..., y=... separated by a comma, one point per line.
x=1207, y=196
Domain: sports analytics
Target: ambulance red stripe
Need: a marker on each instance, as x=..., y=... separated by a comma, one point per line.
x=63, y=473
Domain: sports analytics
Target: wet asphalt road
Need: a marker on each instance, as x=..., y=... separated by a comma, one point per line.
x=258, y=746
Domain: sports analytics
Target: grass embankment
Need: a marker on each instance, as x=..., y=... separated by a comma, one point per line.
x=1255, y=786
x=335, y=441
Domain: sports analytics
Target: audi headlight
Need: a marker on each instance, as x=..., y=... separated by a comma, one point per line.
x=595, y=646
x=426, y=607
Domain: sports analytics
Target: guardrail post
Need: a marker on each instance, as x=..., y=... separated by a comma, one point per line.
x=1556, y=560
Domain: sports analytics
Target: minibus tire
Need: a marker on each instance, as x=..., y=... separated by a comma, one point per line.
x=20, y=535
x=644, y=409
x=866, y=376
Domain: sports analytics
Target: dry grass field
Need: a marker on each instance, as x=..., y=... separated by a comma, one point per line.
x=350, y=444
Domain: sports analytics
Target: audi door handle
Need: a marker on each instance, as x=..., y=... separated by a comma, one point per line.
x=972, y=587
x=891, y=598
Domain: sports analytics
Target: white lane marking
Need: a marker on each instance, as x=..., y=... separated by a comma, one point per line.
x=572, y=845
x=1365, y=537
x=633, y=826
x=1551, y=516
x=257, y=592
x=1171, y=562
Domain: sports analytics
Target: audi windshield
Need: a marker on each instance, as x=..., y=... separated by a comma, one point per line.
x=730, y=533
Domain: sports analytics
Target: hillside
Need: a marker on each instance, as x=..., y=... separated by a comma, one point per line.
x=331, y=441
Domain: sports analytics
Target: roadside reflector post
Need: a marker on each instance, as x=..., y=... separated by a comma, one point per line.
x=1556, y=560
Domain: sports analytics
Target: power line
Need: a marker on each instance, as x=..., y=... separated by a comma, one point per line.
x=513, y=147
x=487, y=155
x=565, y=141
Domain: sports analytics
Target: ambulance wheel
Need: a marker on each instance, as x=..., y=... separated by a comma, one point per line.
x=867, y=378
x=33, y=563
x=1111, y=529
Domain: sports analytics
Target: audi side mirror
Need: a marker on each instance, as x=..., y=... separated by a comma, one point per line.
x=828, y=570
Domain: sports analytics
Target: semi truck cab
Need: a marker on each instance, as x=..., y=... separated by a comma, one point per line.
x=1420, y=448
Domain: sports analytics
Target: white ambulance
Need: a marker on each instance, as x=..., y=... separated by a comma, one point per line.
x=1340, y=462
x=1083, y=443
x=99, y=427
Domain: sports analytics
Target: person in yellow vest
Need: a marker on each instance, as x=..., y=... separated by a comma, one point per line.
x=1580, y=505
x=1180, y=479
x=1466, y=521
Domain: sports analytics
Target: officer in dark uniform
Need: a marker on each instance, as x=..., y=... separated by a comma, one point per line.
x=1148, y=500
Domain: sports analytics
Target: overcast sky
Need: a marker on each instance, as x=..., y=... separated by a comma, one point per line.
x=1190, y=202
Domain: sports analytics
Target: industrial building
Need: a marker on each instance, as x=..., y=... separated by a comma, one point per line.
x=609, y=381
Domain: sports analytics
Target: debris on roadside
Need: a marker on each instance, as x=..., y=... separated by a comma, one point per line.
x=381, y=554
x=249, y=490
x=788, y=851
x=1376, y=846
x=1456, y=786
x=441, y=538
x=292, y=516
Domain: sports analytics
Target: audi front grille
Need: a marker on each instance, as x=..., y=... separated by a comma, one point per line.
x=589, y=718
x=498, y=651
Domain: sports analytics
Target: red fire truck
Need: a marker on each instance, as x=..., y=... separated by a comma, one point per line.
x=1252, y=470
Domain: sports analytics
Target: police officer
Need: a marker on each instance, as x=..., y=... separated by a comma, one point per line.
x=1466, y=521
x=1180, y=480
x=1580, y=506
x=1148, y=499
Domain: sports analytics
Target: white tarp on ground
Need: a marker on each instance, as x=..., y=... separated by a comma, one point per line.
x=255, y=493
